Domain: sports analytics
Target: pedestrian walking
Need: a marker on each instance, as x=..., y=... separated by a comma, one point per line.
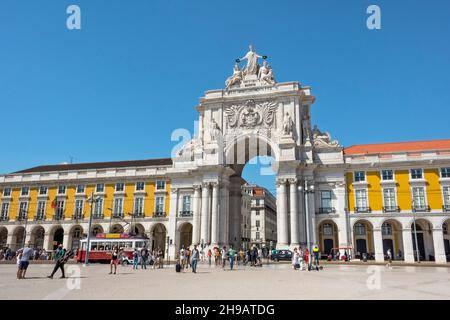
x=223, y=254
x=301, y=259
x=160, y=258
x=114, y=260
x=316, y=257
x=195, y=257
x=61, y=262
x=389, y=256
x=216, y=256
x=295, y=259
x=135, y=259
x=23, y=256
x=188, y=258
x=231, y=256
x=144, y=257
x=209, y=257
x=182, y=257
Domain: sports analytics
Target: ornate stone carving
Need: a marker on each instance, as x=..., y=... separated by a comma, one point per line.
x=252, y=61
x=323, y=140
x=288, y=126
x=236, y=78
x=293, y=181
x=189, y=148
x=214, y=130
x=281, y=181
x=251, y=114
x=265, y=74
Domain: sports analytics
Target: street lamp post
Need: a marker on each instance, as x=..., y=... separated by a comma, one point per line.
x=306, y=191
x=92, y=200
x=415, y=233
x=26, y=223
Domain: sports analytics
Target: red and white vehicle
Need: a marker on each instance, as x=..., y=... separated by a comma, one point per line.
x=102, y=244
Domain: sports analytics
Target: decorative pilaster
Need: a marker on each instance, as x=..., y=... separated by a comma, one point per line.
x=205, y=212
x=439, y=249
x=295, y=239
x=214, y=214
x=282, y=223
x=378, y=243
x=196, y=216
x=408, y=245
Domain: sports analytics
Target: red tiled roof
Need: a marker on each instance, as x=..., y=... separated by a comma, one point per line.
x=398, y=147
x=99, y=165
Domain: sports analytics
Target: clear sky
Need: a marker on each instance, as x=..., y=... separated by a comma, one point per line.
x=117, y=88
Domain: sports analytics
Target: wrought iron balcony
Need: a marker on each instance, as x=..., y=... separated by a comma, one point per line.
x=22, y=217
x=186, y=213
x=117, y=215
x=423, y=208
x=362, y=209
x=391, y=209
x=4, y=218
x=446, y=207
x=97, y=216
x=138, y=215
x=39, y=217
x=58, y=217
x=158, y=214
x=78, y=216
x=327, y=210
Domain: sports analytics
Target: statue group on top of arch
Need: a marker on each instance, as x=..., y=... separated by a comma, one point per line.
x=264, y=73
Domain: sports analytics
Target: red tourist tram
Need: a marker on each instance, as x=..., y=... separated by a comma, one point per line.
x=102, y=244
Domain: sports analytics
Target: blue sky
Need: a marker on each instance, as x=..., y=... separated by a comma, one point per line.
x=117, y=88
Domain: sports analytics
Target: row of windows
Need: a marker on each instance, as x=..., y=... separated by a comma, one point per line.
x=388, y=175
x=80, y=189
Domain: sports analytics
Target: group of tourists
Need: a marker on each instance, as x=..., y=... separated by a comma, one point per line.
x=304, y=260
x=6, y=254
x=144, y=257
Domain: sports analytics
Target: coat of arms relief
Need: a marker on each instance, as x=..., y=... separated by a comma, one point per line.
x=251, y=115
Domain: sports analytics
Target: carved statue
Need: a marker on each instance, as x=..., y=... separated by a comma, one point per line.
x=305, y=127
x=188, y=149
x=323, y=140
x=252, y=62
x=265, y=74
x=287, y=125
x=214, y=130
x=236, y=78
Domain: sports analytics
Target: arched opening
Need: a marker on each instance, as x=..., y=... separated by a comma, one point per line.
x=37, y=237
x=363, y=239
x=76, y=234
x=96, y=230
x=58, y=237
x=328, y=236
x=139, y=230
x=185, y=235
x=391, y=231
x=422, y=238
x=445, y=230
x=18, y=240
x=3, y=237
x=116, y=228
x=158, y=237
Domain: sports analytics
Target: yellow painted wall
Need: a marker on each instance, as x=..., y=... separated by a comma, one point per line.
x=32, y=205
x=167, y=204
x=433, y=188
x=404, y=197
x=350, y=192
x=149, y=201
x=70, y=202
x=108, y=200
x=14, y=204
x=128, y=201
x=49, y=211
x=374, y=190
x=88, y=190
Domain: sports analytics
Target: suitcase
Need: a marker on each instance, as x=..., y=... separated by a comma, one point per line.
x=178, y=267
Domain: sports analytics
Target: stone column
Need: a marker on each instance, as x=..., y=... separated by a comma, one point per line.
x=408, y=245
x=10, y=239
x=215, y=215
x=439, y=249
x=295, y=239
x=282, y=223
x=343, y=223
x=196, y=216
x=312, y=215
x=47, y=245
x=172, y=231
x=378, y=243
x=225, y=213
x=66, y=240
x=205, y=211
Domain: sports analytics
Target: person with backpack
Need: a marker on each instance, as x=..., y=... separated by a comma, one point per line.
x=231, y=256
x=195, y=257
x=61, y=262
x=144, y=257
x=316, y=257
x=135, y=259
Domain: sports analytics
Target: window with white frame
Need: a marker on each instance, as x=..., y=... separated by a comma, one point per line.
x=25, y=191
x=43, y=190
x=140, y=186
x=325, y=199
x=7, y=192
x=23, y=208
x=327, y=229
x=159, y=205
x=257, y=212
x=186, y=203
x=445, y=172
x=160, y=185
x=79, y=207
x=416, y=174
x=360, y=229
x=5, y=211
x=61, y=189
x=100, y=187
x=446, y=191
x=361, y=198
x=98, y=208
x=40, y=212
x=387, y=175
x=80, y=188
x=386, y=229
x=389, y=198
x=258, y=235
x=120, y=187
x=257, y=223
x=139, y=206
x=118, y=206
x=360, y=176
x=418, y=197
x=60, y=204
